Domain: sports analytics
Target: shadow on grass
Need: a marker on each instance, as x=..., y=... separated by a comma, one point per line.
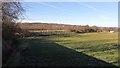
x=37, y=52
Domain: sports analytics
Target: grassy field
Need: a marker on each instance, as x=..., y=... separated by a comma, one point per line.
x=100, y=45
x=87, y=49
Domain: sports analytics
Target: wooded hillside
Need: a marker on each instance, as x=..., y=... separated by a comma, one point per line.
x=71, y=28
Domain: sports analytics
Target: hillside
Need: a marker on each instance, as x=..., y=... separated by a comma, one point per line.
x=72, y=28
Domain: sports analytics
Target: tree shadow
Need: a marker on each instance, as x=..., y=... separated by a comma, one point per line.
x=48, y=53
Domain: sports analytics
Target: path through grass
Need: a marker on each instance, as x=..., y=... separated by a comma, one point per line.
x=89, y=49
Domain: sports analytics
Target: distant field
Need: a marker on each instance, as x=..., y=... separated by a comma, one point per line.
x=100, y=45
x=45, y=30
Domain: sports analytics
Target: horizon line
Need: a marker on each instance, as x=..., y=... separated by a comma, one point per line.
x=62, y=23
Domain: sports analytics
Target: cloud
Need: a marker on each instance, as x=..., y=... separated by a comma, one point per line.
x=103, y=14
x=104, y=17
x=93, y=8
x=42, y=21
x=49, y=5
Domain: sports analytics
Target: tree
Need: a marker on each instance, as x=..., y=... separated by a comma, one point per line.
x=11, y=11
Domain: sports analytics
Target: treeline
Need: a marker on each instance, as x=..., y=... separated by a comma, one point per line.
x=11, y=11
x=71, y=28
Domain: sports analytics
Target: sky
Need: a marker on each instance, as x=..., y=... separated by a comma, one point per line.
x=103, y=14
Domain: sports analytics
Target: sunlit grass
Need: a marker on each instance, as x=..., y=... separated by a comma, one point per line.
x=100, y=45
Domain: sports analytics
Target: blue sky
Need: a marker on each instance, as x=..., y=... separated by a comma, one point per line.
x=75, y=13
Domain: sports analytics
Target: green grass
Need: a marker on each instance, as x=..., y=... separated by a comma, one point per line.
x=100, y=45
x=68, y=49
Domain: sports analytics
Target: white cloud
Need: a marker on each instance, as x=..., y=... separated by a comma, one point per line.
x=42, y=21
x=49, y=5
x=104, y=17
x=93, y=8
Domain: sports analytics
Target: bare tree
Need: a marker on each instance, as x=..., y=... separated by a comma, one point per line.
x=11, y=11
